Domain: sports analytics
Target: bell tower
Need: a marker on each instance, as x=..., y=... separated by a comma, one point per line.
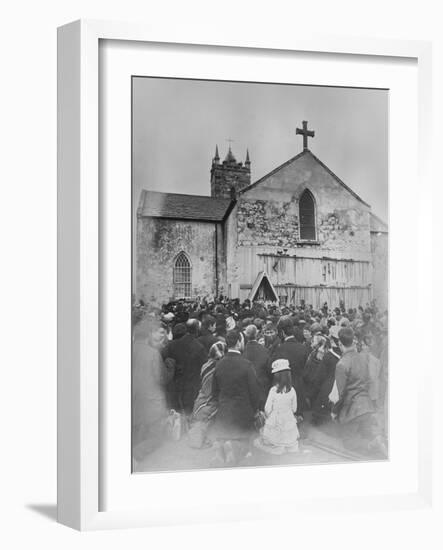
x=229, y=177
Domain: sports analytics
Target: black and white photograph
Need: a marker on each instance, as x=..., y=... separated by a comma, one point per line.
x=221, y=275
x=259, y=274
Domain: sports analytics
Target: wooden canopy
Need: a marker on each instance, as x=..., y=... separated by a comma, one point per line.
x=263, y=289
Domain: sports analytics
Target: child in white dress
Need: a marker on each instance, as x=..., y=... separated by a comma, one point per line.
x=280, y=432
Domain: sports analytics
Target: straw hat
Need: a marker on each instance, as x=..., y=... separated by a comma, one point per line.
x=280, y=365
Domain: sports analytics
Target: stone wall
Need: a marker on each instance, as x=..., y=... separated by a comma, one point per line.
x=380, y=268
x=233, y=267
x=263, y=232
x=159, y=241
x=343, y=229
x=267, y=222
x=268, y=213
x=274, y=222
x=227, y=176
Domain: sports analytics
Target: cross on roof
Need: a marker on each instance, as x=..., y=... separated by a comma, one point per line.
x=230, y=141
x=305, y=133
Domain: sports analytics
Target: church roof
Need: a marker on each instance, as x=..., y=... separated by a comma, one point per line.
x=377, y=225
x=291, y=160
x=155, y=204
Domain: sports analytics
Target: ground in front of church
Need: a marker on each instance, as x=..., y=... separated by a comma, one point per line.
x=318, y=445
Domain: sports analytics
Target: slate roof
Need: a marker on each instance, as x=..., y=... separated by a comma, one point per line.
x=155, y=204
x=291, y=160
x=377, y=225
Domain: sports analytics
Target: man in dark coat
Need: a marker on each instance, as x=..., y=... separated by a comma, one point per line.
x=189, y=356
x=236, y=389
x=321, y=406
x=271, y=339
x=207, y=337
x=294, y=350
x=354, y=409
x=258, y=355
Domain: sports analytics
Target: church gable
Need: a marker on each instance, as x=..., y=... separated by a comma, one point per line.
x=303, y=203
x=302, y=171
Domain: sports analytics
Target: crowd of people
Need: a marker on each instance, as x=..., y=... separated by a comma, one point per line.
x=245, y=377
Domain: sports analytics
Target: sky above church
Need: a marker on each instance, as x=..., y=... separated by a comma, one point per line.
x=177, y=124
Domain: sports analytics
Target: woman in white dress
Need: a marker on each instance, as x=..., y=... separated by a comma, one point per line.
x=280, y=432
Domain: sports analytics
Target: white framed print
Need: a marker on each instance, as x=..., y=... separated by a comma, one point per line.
x=231, y=275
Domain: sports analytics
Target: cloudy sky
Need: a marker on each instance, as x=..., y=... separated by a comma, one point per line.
x=177, y=123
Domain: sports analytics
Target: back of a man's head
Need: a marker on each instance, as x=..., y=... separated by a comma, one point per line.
x=251, y=333
x=178, y=331
x=346, y=336
x=232, y=337
x=193, y=326
x=208, y=321
x=298, y=335
x=286, y=325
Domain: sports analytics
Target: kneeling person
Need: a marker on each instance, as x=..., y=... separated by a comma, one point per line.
x=280, y=433
x=237, y=392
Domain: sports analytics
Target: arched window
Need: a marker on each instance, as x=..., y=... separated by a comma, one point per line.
x=182, y=277
x=307, y=216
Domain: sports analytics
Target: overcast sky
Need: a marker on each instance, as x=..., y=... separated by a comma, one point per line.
x=177, y=123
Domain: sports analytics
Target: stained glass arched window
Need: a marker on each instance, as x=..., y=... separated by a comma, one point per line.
x=182, y=277
x=307, y=216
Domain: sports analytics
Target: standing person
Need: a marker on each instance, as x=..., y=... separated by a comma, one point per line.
x=205, y=405
x=220, y=327
x=149, y=380
x=280, y=432
x=237, y=392
x=384, y=355
x=270, y=338
x=373, y=369
x=354, y=409
x=313, y=375
x=294, y=350
x=189, y=356
x=258, y=355
x=307, y=337
x=207, y=337
x=321, y=405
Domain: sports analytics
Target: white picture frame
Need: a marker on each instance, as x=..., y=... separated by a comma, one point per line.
x=79, y=260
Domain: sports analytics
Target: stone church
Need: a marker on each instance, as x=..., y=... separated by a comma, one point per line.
x=297, y=234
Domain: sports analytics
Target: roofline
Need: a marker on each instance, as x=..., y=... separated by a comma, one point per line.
x=271, y=173
x=341, y=182
x=229, y=209
x=382, y=222
x=144, y=191
x=202, y=220
x=141, y=203
x=139, y=212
